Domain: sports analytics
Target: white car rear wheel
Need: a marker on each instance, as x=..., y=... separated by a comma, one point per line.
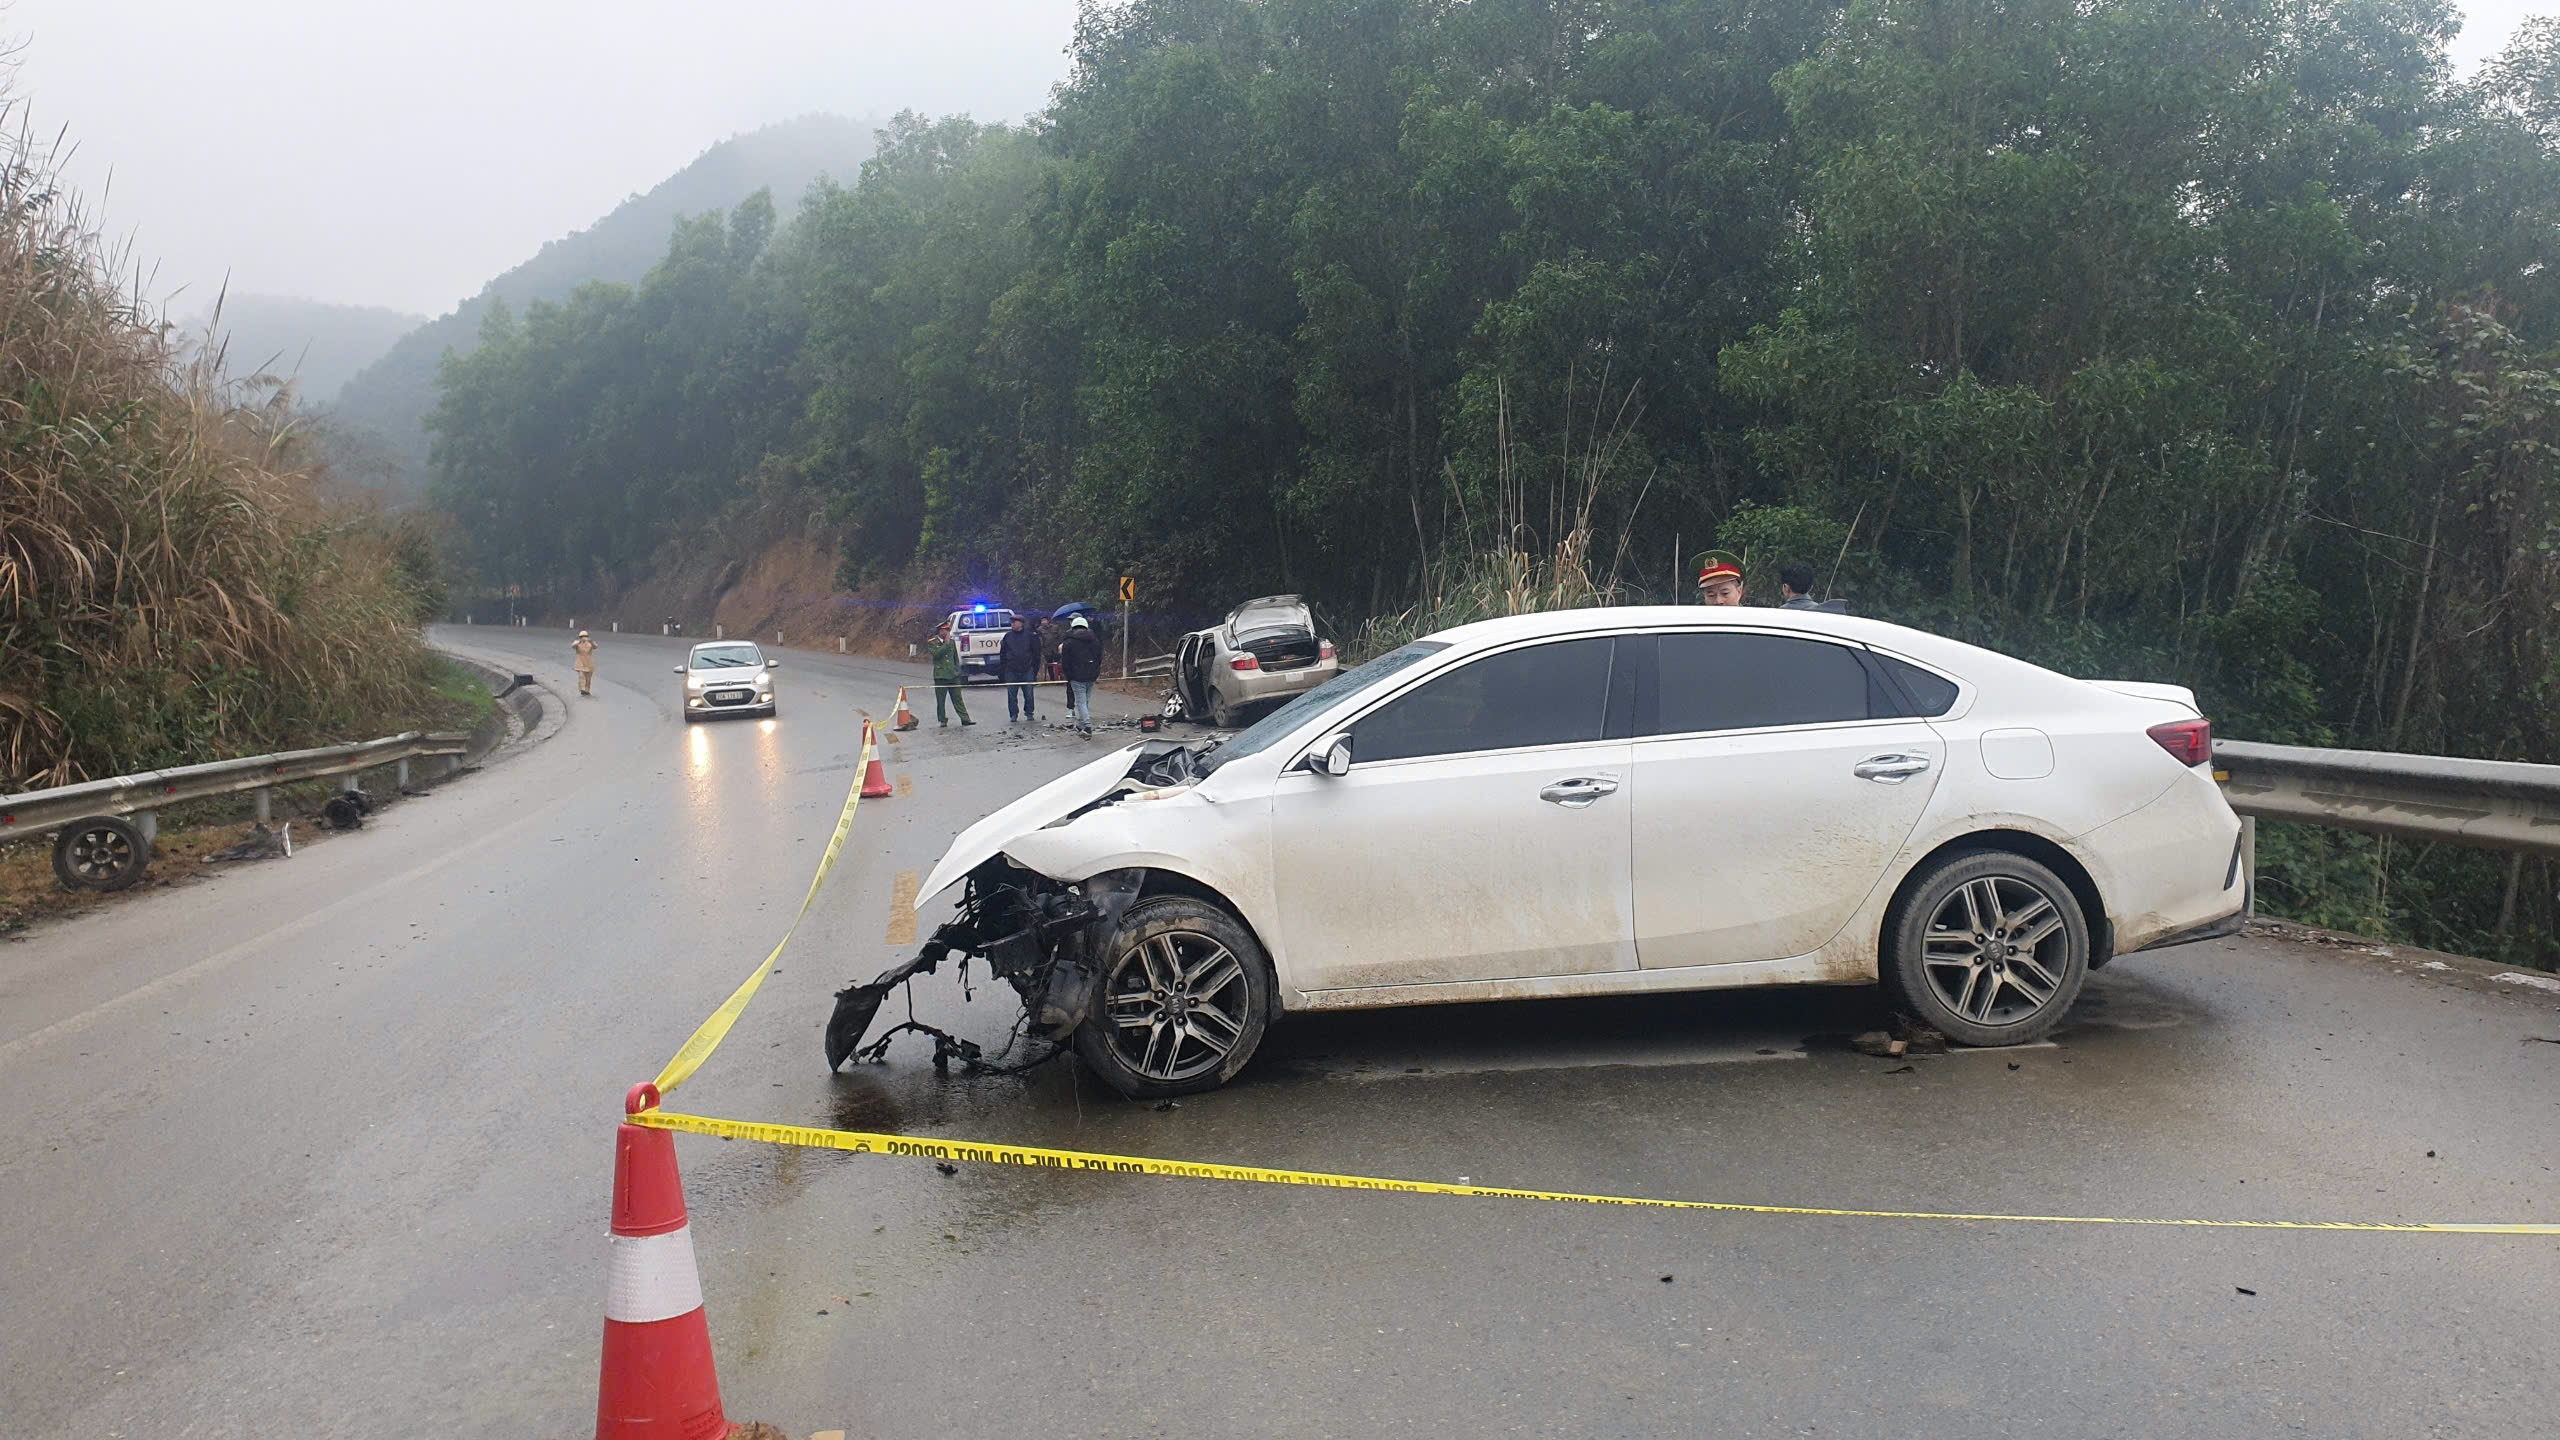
x=1987, y=948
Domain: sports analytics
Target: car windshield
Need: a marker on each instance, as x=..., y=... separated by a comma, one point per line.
x=727, y=657
x=1267, y=731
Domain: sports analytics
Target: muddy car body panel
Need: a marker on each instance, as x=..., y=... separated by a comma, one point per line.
x=1641, y=800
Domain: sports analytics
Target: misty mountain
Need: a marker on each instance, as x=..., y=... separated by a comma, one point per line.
x=388, y=400
x=313, y=343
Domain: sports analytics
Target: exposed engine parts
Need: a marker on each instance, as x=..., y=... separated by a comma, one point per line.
x=1034, y=934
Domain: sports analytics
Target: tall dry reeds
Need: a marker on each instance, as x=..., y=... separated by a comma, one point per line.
x=177, y=582
x=1503, y=562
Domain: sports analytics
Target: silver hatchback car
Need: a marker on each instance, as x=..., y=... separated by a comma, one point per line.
x=727, y=677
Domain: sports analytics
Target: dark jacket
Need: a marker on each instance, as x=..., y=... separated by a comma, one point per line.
x=1020, y=657
x=1081, y=653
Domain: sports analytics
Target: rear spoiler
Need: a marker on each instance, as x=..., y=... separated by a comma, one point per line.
x=2143, y=690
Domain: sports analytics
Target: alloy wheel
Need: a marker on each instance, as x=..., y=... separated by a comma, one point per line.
x=1995, y=950
x=99, y=854
x=1175, y=1004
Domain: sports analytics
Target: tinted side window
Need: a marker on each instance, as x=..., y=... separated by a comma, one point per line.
x=1742, y=682
x=1540, y=695
x=1929, y=693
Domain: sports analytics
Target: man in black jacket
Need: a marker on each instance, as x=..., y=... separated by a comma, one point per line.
x=1019, y=663
x=1081, y=655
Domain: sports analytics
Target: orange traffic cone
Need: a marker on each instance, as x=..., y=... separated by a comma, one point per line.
x=657, y=1382
x=875, y=781
x=905, y=719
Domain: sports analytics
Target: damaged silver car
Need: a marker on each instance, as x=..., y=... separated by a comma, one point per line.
x=1597, y=802
x=1265, y=651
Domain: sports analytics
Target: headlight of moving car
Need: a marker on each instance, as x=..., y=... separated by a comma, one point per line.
x=693, y=682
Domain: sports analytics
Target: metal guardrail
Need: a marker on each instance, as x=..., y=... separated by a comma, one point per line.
x=96, y=848
x=2496, y=804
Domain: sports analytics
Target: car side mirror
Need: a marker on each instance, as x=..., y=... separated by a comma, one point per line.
x=1332, y=755
x=679, y=669
x=773, y=664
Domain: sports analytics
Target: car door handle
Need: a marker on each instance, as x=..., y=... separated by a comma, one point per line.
x=1891, y=769
x=1578, y=791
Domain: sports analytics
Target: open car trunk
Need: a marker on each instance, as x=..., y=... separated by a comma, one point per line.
x=1279, y=631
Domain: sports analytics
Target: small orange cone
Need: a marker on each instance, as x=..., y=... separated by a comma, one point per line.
x=657, y=1381
x=905, y=719
x=875, y=781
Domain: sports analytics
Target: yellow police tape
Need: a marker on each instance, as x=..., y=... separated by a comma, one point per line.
x=707, y=1037
x=862, y=1142
x=698, y=1047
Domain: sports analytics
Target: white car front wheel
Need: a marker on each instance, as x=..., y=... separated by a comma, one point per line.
x=1186, y=995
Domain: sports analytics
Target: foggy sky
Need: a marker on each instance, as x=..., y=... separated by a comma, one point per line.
x=402, y=155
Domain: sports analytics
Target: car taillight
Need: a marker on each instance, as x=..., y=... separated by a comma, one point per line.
x=1324, y=650
x=1244, y=662
x=2191, y=741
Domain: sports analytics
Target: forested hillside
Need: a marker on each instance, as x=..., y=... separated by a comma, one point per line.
x=2213, y=344
x=388, y=402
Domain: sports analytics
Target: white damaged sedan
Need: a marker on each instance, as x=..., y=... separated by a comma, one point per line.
x=1601, y=802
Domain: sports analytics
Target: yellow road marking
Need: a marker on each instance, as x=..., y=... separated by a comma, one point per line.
x=902, y=909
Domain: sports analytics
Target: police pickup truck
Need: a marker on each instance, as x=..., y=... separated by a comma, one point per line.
x=978, y=631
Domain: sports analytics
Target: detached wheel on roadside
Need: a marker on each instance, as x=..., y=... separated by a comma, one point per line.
x=100, y=853
x=1186, y=995
x=1988, y=948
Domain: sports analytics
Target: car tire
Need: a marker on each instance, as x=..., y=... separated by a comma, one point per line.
x=101, y=852
x=1986, y=918
x=1221, y=714
x=1163, y=949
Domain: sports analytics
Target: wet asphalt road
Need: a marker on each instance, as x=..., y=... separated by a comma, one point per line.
x=321, y=1147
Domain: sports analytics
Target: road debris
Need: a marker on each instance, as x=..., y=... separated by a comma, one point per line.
x=1880, y=1044
x=2243, y=1289
x=261, y=843
x=346, y=809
